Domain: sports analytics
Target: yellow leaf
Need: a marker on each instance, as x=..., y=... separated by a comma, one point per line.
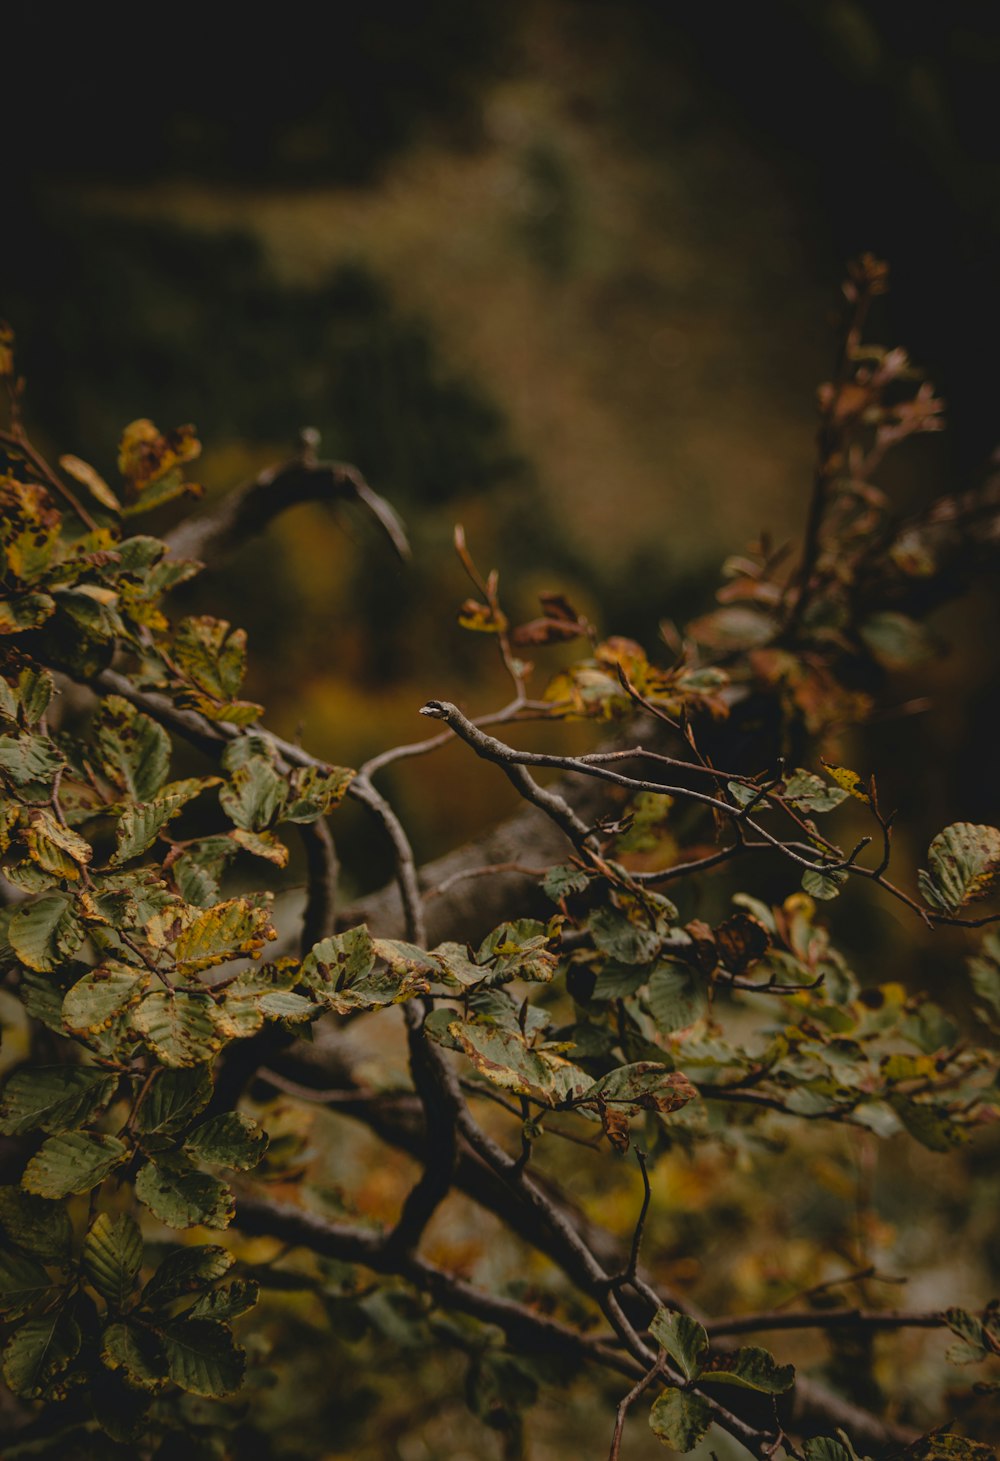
x=848, y=781
x=88, y=477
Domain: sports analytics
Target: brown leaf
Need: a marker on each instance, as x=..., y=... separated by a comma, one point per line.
x=743, y=941
x=703, y=953
x=145, y=454
x=480, y=617
x=615, y=1125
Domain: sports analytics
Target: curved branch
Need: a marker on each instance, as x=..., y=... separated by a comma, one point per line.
x=322, y=871
x=247, y=511
x=525, y=1327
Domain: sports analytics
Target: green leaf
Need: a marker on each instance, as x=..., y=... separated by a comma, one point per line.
x=74, y=1161
x=824, y=1448
x=196, y=883
x=186, y=1271
x=30, y=878
x=134, y=750
x=228, y=1140
x=228, y=1302
x=142, y=822
x=55, y=848
x=313, y=791
x=680, y=1419
x=40, y=1227
x=233, y=712
x=95, y=1001
x=202, y=1356
x=174, y=1099
x=283, y=1004
x=212, y=655
x=645, y=826
x=29, y=528
x=40, y=1351
x=984, y=971
x=182, y=1197
x=684, y=1340
x=809, y=793
x=91, y=611
x=22, y=1283
x=404, y=960
x=642, y=1086
x=239, y=1014
x=21, y=612
x=941, y=1446
x=743, y=795
x=238, y=928
x=251, y=746
x=53, y=1098
x=47, y=932
x=26, y=758
x=8, y=700
x=137, y=1353
x=562, y=881
x=341, y=971
x=752, y=1368
x=964, y=866
x=179, y=1026
x=933, y=1128
x=515, y=950
x=895, y=640
x=455, y=966
x=504, y=1057
x=676, y=997
x=625, y=941
x=975, y=1344
x=254, y=797
x=825, y=885
x=112, y=1256
x=35, y=689
x=262, y=844
x=340, y=961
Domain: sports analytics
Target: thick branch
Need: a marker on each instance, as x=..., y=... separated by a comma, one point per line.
x=528, y=1330
x=247, y=511
x=434, y=1084
x=322, y=871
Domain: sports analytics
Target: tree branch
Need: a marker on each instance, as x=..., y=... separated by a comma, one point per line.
x=524, y=1327
x=242, y=514
x=322, y=871
x=844, y=1318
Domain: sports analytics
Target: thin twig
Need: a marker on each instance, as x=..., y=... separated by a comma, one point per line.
x=17, y=441
x=625, y=1405
x=844, y=1318
x=633, y=1261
